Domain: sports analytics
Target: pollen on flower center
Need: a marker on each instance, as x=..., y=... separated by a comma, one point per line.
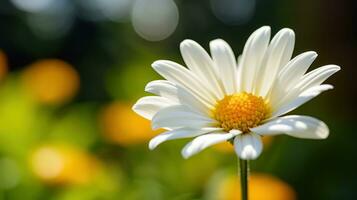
x=241, y=111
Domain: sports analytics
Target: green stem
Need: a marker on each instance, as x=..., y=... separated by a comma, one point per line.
x=243, y=168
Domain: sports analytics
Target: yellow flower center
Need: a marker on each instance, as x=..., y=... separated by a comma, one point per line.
x=241, y=111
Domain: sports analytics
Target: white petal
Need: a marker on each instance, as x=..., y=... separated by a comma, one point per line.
x=178, y=94
x=317, y=76
x=296, y=68
x=278, y=55
x=291, y=74
x=224, y=60
x=248, y=146
x=309, y=80
x=201, y=142
x=296, y=126
x=178, y=74
x=301, y=99
x=148, y=106
x=180, y=116
x=162, y=88
x=186, y=98
x=198, y=60
x=177, y=134
x=251, y=60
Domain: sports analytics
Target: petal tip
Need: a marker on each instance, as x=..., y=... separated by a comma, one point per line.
x=217, y=42
x=325, y=135
x=265, y=28
x=288, y=31
x=187, y=42
x=152, y=144
x=328, y=87
x=312, y=54
x=334, y=67
x=185, y=154
x=156, y=64
x=325, y=132
x=135, y=108
x=338, y=68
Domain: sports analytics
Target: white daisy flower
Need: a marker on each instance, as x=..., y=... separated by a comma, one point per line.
x=216, y=100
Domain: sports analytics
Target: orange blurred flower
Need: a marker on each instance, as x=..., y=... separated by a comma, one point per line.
x=59, y=164
x=226, y=147
x=3, y=65
x=261, y=187
x=51, y=81
x=121, y=125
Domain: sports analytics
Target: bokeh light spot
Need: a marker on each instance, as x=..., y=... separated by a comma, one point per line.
x=261, y=186
x=155, y=20
x=122, y=126
x=63, y=164
x=33, y=5
x=51, y=81
x=115, y=10
x=47, y=163
x=233, y=12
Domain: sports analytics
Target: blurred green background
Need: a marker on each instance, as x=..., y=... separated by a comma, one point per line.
x=71, y=69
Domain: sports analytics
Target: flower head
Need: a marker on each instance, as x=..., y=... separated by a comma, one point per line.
x=217, y=99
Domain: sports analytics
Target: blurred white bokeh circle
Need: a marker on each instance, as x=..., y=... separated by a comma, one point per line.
x=233, y=12
x=115, y=10
x=48, y=19
x=155, y=20
x=33, y=5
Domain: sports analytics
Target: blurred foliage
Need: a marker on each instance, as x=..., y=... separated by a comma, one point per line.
x=70, y=71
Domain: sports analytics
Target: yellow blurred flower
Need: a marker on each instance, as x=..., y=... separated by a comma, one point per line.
x=226, y=147
x=121, y=125
x=60, y=164
x=3, y=65
x=261, y=187
x=51, y=81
